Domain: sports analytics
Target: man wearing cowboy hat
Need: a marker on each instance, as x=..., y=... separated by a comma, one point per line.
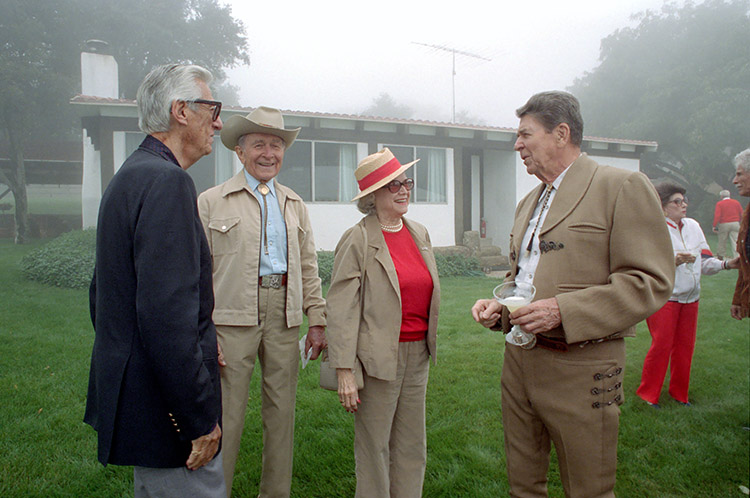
x=265, y=274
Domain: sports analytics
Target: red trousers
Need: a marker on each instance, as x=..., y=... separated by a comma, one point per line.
x=672, y=343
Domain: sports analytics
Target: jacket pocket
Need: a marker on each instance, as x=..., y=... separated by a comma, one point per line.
x=224, y=235
x=587, y=227
x=572, y=287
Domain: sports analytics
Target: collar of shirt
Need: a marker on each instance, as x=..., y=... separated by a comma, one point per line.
x=157, y=146
x=675, y=225
x=254, y=182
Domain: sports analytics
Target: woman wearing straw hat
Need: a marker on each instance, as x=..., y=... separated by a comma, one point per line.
x=382, y=310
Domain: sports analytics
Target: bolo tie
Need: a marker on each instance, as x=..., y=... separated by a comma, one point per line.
x=264, y=190
x=547, y=194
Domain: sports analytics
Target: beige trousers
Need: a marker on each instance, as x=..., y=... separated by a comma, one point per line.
x=390, y=444
x=727, y=231
x=572, y=399
x=275, y=346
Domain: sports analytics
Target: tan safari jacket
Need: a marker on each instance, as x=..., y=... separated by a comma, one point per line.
x=231, y=218
x=368, y=328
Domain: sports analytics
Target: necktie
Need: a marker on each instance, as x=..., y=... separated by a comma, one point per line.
x=264, y=190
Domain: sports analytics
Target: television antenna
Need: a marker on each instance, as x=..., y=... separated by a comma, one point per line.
x=453, y=52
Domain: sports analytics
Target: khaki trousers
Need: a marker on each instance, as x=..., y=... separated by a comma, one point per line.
x=276, y=347
x=728, y=231
x=390, y=444
x=571, y=398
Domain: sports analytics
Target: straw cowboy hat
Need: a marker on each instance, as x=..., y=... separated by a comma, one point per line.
x=261, y=120
x=378, y=169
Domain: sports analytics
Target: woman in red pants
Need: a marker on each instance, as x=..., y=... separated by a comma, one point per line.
x=673, y=326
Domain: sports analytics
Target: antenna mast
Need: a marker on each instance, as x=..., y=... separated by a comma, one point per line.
x=453, y=51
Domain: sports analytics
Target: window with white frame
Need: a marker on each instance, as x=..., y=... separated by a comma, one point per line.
x=321, y=171
x=429, y=173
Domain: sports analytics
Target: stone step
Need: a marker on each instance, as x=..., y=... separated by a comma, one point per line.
x=493, y=262
x=490, y=251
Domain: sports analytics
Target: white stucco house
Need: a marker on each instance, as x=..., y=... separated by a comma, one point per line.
x=468, y=176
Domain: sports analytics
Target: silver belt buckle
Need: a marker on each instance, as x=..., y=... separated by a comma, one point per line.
x=273, y=280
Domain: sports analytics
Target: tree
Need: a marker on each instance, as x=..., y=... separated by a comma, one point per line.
x=681, y=77
x=385, y=107
x=40, y=45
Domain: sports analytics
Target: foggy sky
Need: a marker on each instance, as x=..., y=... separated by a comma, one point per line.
x=337, y=56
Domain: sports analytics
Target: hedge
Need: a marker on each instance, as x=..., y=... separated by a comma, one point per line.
x=68, y=261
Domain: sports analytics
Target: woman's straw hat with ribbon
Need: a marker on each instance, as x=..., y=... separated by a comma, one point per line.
x=377, y=170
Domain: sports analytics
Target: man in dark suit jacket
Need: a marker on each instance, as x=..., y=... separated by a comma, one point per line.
x=154, y=392
x=593, y=241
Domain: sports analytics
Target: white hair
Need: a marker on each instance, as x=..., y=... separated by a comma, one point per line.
x=742, y=160
x=162, y=86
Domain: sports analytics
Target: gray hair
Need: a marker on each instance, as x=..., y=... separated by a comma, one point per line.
x=742, y=160
x=162, y=86
x=724, y=194
x=366, y=204
x=554, y=108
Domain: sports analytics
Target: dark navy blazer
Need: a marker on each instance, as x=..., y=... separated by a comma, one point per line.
x=154, y=382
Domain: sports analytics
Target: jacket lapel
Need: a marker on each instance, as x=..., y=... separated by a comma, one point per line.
x=376, y=240
x=572, y=189
x=235, y=184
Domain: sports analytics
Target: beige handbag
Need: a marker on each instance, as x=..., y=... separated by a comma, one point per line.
x=328, y=378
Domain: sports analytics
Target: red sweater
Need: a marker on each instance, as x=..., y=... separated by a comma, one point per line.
x=415, y=283
x=727, y=210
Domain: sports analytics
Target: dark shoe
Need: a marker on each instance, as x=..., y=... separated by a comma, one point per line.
x=684, y=404
x=654, y=405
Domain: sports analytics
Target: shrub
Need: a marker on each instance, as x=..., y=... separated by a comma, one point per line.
x=67, y=261
x=458, y=265
x=449, y=265
x=325, y=266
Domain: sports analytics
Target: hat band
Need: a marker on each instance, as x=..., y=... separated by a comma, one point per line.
x=383, y=171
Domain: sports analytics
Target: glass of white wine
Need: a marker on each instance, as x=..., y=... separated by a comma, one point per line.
x=514, y=295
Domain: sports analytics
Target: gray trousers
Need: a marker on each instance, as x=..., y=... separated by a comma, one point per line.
x=180, y=482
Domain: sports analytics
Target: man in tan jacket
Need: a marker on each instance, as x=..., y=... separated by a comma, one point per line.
x=593, y=241
x=265, y=273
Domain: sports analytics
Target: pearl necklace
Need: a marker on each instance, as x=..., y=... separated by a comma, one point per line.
x=393, y=228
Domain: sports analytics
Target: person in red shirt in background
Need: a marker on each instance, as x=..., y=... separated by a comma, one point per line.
x=727, y=224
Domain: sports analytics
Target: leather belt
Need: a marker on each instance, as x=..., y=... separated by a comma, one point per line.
x=552, y=343
x=558, y=344
x=273, y=281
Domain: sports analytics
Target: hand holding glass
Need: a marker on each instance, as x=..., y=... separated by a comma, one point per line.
x=513, y=296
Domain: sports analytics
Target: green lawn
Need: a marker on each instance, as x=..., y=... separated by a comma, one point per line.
x=47, y=451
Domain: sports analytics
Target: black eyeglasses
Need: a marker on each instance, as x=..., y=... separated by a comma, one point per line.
x=679, y=202
x=213, y=103
x=395, y=185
